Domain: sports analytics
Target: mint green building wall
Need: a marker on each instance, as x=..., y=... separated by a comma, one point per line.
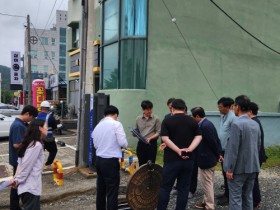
x=232, y=61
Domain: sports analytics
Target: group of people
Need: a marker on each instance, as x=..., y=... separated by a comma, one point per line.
x=30, y=134
x=189, y=142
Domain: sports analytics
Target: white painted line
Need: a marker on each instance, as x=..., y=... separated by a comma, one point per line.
x=4, y=155
x=64, y=168
x=44, y=172
x=65, y=137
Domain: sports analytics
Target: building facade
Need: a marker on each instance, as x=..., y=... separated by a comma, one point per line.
x=157, y=49
x=48, y=55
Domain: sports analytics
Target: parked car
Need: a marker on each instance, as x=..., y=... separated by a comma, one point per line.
x=9, y=110
x=5, y=124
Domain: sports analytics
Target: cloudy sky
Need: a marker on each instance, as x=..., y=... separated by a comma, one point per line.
x=12, y=28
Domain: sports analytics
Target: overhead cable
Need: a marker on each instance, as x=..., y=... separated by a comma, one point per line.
x=60, y=78
x=223, y=11
x=188, y=47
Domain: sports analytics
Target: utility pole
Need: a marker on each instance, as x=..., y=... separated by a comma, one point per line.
x=82, y=80
x=23, y=83
x=0, y=85
x=29, y=60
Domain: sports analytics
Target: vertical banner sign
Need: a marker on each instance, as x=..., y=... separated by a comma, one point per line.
x=15, y=68
x=39, y=93
x=90, y=130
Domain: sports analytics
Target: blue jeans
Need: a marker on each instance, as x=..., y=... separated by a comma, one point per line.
x=240, y=191
x=182, y=171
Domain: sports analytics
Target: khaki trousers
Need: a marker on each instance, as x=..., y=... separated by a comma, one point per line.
x=207, y=182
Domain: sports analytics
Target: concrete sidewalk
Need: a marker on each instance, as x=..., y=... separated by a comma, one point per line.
x=76, y=181
x=66, y=154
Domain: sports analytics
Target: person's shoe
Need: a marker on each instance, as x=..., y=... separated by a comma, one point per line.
x=200, y=205
x=48, y=168
x=174, y=192
x=223, y=201
x=190, y=196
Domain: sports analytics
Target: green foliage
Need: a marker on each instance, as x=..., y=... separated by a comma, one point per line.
x=273, y=154
x=6, y=96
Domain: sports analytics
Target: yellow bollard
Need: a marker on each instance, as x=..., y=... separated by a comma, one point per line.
x=57, y=174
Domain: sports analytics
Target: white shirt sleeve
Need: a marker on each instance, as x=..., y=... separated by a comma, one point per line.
x=120, y=134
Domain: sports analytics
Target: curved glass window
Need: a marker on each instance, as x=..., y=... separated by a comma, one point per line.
x=124, y=57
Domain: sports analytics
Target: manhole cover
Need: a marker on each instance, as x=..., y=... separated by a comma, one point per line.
x=143, y=187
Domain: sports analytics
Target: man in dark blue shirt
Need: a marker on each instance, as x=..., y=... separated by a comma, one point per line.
x=17, y=131
x=49, y=142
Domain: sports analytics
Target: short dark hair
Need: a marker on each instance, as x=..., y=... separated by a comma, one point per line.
x=31, y=110
x=170, y=101
x=146, y=104
x=243, y=102
x=254, y=108
x=111, y=110
x=179, y=104
x=226, y=101
x=198, y=111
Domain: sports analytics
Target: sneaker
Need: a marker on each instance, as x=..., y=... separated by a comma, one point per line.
x=200, y=205
x=190, y=196
x=223, y=201
x=48, y=168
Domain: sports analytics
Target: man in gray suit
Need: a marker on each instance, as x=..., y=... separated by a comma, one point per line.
x=241, y=161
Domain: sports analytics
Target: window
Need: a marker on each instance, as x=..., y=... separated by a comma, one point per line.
x=53, y=41
x=62, y=35
x=62, y=50
x=76, y=37
x=124, y=50
x=111, y=21
x=34, y=68
x=33, y=54
x=46, y=54
x=44, y=40
x=46, y=68
x=53, y=55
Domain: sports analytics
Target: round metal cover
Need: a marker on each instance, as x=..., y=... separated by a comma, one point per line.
x=143, y=187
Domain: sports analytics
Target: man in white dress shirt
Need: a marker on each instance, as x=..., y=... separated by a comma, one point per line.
x=108, y=139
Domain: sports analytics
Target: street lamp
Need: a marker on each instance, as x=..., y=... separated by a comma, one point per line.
x=61, y=102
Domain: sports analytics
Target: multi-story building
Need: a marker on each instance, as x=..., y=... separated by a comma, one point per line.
x=48, y=56
x=195, y=50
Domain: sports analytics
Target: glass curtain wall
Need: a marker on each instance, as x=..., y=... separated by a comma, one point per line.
x=124, y=47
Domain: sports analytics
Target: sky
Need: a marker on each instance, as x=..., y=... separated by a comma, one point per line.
x=13, y=28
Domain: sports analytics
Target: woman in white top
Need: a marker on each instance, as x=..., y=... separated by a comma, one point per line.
x=28, y=178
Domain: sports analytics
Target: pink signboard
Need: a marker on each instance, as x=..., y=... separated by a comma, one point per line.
x=38, y=92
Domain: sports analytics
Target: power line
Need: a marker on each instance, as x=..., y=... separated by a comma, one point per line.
x=60, y=78
x=49, y=17
x=54, y=15
x=223, y=11
x=38, y=11
x=4, y=14
x=188, y=47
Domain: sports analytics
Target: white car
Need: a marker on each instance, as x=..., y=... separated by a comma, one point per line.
x=9, y=110
x=5, y=124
